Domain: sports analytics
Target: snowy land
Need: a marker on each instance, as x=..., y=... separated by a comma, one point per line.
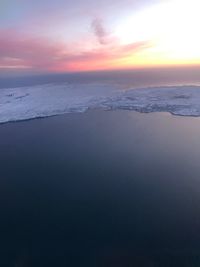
x=52, y=99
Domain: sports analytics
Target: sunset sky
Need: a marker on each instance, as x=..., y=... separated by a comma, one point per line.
x=81, y=35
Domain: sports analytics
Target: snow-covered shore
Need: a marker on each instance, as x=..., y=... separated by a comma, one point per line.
x=53, y=99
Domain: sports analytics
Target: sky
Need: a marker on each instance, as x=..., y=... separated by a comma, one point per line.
x=44, y=36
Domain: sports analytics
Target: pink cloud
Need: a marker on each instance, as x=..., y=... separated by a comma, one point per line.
x=31, y=52
x=40, y=54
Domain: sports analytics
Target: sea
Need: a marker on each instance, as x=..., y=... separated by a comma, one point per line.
x=101, y=188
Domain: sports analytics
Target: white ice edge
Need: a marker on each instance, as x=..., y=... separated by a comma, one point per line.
x=24, y=103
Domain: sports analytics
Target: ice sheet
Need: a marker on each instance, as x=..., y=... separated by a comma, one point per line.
x=53, y=99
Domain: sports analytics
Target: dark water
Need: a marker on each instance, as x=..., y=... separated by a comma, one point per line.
x=189, y=75
x=100, y=189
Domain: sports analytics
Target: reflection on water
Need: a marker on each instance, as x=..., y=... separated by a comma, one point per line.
x=100, y=189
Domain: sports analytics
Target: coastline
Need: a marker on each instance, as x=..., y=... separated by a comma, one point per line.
x=20, y=104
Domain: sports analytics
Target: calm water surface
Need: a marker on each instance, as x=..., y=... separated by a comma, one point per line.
x=100, y=189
